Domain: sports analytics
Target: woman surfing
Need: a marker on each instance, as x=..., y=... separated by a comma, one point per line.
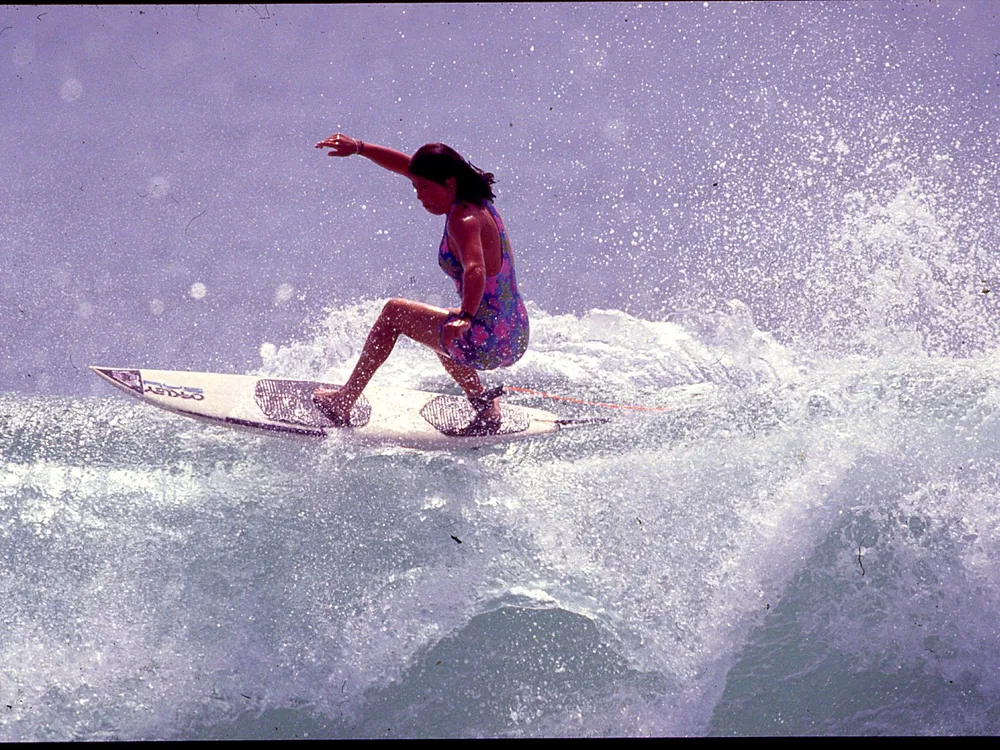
x=490, y=327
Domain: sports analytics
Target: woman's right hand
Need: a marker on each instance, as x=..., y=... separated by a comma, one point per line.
x=340, y=145
x=454, y=329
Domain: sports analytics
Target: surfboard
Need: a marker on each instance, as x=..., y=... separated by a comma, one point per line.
x=397, y=416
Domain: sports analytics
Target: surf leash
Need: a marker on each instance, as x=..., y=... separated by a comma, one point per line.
x=583, y=402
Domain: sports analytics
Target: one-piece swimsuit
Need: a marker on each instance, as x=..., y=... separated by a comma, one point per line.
x=498, y=334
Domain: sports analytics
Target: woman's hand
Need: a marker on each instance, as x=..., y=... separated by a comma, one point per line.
x=341, y=145
x=453, y=329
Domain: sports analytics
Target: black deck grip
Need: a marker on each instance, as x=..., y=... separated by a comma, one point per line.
x=291, y=401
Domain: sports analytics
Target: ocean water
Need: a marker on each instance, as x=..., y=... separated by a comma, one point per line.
x=772, y=225
x=792, y=546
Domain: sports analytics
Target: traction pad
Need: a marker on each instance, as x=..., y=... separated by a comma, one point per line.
x=450, y=415
x=291, y=401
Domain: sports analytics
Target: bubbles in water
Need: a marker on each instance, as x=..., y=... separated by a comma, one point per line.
x=267, y=350
x=283, y=293
x=198, y=290
x=71, y=90
x=157, y=307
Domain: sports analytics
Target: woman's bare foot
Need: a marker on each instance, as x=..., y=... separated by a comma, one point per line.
x=332, y=405
x=488, y=414
x=492, y=414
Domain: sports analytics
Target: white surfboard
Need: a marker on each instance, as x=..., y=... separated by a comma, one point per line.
x=397, y=416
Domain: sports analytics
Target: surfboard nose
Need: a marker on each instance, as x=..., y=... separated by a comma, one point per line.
x=131, y=379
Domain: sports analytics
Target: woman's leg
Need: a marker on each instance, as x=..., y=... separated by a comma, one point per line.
x=468, y=380
x=418, y=321
x=415, y=320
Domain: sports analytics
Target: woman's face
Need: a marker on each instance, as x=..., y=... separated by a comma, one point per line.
x=435, y=197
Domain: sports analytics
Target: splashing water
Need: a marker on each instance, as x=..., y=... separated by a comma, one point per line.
x=785, y=526
x=778, y=228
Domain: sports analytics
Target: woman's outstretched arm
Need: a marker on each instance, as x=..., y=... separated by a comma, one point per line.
x=387, y=158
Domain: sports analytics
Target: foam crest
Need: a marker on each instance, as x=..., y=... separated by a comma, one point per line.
x=602, y=353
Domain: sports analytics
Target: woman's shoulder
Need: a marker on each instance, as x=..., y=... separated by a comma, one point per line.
x=470, y=215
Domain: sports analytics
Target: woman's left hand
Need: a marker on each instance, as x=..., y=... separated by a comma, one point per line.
x=454, y=329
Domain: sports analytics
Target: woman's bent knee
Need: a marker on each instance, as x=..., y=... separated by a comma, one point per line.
x=391, y=311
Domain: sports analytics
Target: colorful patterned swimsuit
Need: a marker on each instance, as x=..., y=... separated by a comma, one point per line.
x=498, y=335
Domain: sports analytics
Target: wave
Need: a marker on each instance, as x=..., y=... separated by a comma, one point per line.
x=784, y=520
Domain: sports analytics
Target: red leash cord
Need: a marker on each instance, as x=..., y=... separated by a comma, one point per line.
x=530, y=392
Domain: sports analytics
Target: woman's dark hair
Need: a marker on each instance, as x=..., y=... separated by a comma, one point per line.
x=438, y=162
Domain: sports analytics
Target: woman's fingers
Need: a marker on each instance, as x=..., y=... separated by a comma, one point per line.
x=452, y=330
x=339, y=144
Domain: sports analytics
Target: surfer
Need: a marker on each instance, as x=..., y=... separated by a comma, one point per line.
x=490, y=327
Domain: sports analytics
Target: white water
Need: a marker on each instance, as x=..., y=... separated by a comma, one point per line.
x=682, y=572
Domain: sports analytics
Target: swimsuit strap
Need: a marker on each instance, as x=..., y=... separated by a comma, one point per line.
x=449, y=262
x=504, y=255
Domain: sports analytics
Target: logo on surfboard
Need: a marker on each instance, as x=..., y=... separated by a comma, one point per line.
x=132, y=379
x=173, y=391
